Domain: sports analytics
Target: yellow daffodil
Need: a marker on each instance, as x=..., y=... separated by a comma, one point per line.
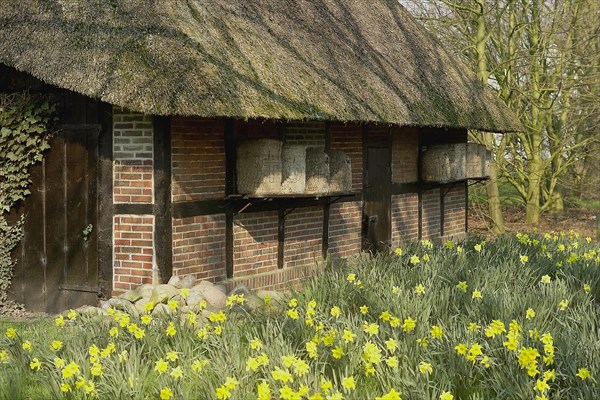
x=161, y=366
x=425, y=368
x=349, y=383
x=176, y=373
x=391, y=395
x=436, y=332
x=171, y=331
x=583, y=373
x=563, y=305
x=462, y=286
x=348, y=336
x=26, y=345
x=35, y=364
x=337, y=352
x=409, y=325
x=165, y=393
x=446, y=396
x=263, y=391
x=392, y=362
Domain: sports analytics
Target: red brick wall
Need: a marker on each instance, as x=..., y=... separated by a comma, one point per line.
x=310, y=133
x=133, y=157
x=133, y=251
x=254, y=243
x=198, y=159
x=199, y=247
x=278, y=279
x=404, y=154
x=431, y=214
x=303, y=237
x=405, y=220
x=454, y=212
x=348, y=138
x=345, y=224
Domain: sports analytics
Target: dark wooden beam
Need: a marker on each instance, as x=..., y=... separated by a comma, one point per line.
x=327, y=206
x=196, y=208
x=230, y=189
x=105, y=200
x=163, y=240
x=133, y=208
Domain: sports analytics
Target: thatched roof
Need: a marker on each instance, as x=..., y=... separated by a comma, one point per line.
x=346, y=60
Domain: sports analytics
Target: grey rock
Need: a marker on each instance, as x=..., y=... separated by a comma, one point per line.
x=146, y=290
x=194, y=297
x=213, y=296
x=90, y=311
x=188, y=281
x=131, y=295
x=175, y=281
x=161, y=309
x=275, y=296
x=140, y=305
x=123, y=305
x=162, y=293
x=252, y=302
x=240, y=289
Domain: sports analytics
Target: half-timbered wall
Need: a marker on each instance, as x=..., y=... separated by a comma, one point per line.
x=219, y=236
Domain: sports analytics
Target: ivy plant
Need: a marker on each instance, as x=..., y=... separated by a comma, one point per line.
x=25, y=126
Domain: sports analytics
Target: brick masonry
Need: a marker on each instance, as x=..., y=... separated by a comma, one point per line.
x=404, y=154
x=454, y=213
x=255, y=243
x=405, y=221
x=431, y=214
x=345, y=224
x=311, y=134
x=133, y=240
x=197, y=159
x=132, y=157
x=348, y=138
x=303, y=237
x=276, y=280
x=199, y=247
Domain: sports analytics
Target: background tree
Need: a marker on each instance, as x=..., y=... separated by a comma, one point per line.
x=542, y=57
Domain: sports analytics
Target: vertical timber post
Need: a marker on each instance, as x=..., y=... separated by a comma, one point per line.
x=229, y=190
x=105, y=200
x=162, y=210
x=326, y=206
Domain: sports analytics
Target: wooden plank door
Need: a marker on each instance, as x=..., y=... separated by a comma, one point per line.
x=377, y=193
x=57, y=259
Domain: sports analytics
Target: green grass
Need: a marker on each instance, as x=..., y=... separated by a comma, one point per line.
x=509, y=272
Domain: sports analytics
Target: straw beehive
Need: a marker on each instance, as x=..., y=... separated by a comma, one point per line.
x=478, y=161
x=294, y=169
x=259, y=167
x=444, y=163
x=340, y=178
x=317, y=171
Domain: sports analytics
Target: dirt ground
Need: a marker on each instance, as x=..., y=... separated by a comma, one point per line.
x=579, y=220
